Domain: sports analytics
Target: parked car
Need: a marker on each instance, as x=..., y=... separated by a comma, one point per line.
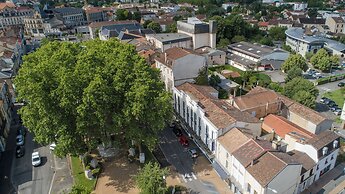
x=21, y=131
x=20, y=151
x=333, y=108
x=193, y=153
x=19, y=140
x=332, y=104
x=36, y=159
x=183, y=140
x=341, y=84
x=324, y=99
x=177, y=131
x=337, y=111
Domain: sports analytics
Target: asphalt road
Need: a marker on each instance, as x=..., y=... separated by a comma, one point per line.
x=177, y=155
x=29, y=179
x=329, y=87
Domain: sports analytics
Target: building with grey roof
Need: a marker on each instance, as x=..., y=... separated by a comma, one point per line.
x=115, y=30
x=165, y=41
x=302, y=43
x=71, y=16
x=248, y=56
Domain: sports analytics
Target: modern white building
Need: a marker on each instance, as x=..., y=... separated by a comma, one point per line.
x=297, y=6
x=202, y=33
x=302, y=43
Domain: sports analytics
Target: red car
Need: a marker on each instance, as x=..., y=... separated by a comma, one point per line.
x=183, y=140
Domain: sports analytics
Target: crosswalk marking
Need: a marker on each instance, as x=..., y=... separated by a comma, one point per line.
x=189, y=177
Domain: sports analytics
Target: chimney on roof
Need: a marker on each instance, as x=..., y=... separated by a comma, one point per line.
x=165, y=57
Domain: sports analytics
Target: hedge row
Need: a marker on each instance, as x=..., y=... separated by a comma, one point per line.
x=329, y=79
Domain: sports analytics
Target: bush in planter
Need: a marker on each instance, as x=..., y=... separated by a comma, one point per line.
x=95, y=171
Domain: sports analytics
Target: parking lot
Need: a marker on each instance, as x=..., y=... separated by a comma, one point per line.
x=197, y=174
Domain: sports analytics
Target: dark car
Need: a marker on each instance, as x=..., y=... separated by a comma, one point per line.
x=20, y=151
x=21, y=131
x=341, y=84
x=183, y=140
x=332, y=104
x=193, y=153
x=177, y=131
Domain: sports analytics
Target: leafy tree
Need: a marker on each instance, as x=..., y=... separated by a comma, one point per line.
x=266, y=41
x=147, y=22
x=223, y=43
x=293, y=73
x=305, y=98
x=335, y=60
x=299, y=84
x=309, y=55
x=172, y=28
x=123, y=14
x=276, y=87
x=321, y=60
x=277, y=33
x=202, y=78
x=79, y=94
x=155, y=27
x=312, y=13
x=287, y=48
x=245, y=77
x=151, y=179
x=238, y=38
x=295, y=60
x=80, y=189
x=214, y=80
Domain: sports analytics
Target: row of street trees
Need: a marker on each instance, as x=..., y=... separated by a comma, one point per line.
x=79, y=94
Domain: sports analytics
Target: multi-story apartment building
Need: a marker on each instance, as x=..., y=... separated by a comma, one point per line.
x=11, y=15
x=336, y=24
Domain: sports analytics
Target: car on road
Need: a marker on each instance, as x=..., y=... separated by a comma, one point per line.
x=183, y=140
x=341, y=84
x=20, y=151
x=19, y=140
x=177, y=131
x=21, y=131
x=193, y=153
x=332, y=104
x=36, y=159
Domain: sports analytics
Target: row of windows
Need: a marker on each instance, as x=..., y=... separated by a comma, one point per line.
x=193, y=120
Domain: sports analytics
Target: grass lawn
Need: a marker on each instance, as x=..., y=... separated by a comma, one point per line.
x=79, y=176
x=338, y=96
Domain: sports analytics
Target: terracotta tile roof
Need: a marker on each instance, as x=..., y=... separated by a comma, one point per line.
x=93, y=10
x=146, y=53
x=232, y=140
x=302, y=158
x=232, y=74
x=219, y=112
x=323, y=139
x=265, y=168
x=303, y=111
x=273, y=22
x=173, y=54
x=251, y=150
x=263, y=24
x=108, y=23
x=282, y=126
x=256, y=97
x=7, y=4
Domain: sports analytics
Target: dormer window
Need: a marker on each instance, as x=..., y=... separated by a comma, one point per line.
x=324, y=151
x=335, y=144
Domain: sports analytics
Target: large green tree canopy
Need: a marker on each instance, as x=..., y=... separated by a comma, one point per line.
x=80, y=93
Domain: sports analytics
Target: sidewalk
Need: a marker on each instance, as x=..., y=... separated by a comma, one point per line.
x=328, y=181
x=62, y=180
x=206, y=173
